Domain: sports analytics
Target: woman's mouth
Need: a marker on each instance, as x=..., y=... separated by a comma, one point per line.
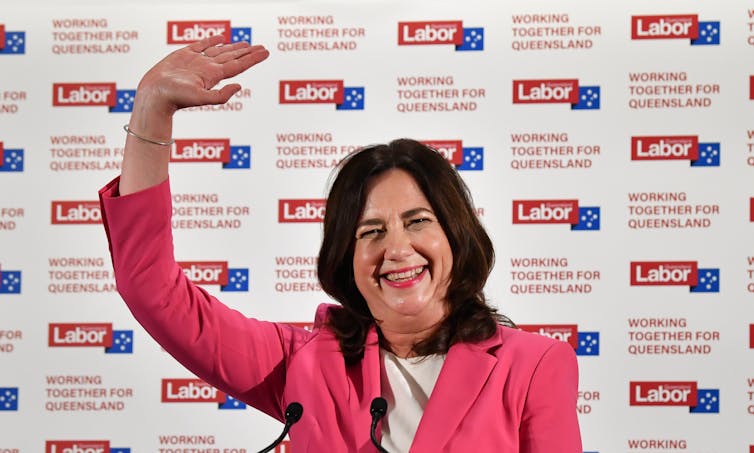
x=403, y=278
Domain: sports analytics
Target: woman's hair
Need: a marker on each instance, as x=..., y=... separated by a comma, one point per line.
x=469, y=318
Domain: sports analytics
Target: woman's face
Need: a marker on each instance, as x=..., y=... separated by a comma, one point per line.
x=402, y=259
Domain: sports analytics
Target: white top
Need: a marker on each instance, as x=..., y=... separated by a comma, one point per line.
x=407, y=385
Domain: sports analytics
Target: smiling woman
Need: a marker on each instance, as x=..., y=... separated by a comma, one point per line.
x=405, y=256
x=400, y=208
x=401, y=261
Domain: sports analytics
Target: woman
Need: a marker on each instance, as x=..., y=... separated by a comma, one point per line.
x=406, y=258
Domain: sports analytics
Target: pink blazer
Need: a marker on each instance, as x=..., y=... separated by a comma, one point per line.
x=515, y=392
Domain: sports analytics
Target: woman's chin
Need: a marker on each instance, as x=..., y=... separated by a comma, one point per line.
x=413, y=309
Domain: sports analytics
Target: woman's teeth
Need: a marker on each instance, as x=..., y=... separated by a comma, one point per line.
x=403, y=276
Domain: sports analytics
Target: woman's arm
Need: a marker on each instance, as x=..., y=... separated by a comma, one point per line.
x=238, y=355
x=244, y=357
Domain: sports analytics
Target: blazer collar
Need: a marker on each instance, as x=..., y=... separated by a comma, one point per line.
x=463, y=375
x=466, y=369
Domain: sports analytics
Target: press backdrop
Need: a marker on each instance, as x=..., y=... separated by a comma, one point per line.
x=608, y=149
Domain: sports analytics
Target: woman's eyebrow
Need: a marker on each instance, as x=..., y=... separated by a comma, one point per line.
x=404, y=215
x=415, y=211
x=373, y=221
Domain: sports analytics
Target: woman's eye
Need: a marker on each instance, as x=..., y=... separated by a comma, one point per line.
x=418, y=221
x=369, y=233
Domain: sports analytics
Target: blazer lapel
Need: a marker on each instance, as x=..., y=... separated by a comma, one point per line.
x=466, y=369
x=370, y=387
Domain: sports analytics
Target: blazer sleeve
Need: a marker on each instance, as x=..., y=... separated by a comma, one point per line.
x=549, y=421
x=243, y=357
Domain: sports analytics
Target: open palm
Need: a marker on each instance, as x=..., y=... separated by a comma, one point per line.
x=187, y=77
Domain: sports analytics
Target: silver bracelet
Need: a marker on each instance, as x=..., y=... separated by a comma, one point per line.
x=147, y=139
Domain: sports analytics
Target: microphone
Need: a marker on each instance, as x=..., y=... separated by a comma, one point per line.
x=378, y=410
x=292, y=414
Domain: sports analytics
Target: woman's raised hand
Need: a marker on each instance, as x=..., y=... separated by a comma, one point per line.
x=188, y=76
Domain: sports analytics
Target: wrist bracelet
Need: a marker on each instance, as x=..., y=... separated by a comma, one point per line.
x=147, y=139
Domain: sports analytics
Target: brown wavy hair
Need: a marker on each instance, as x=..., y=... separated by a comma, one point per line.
x=469, y=318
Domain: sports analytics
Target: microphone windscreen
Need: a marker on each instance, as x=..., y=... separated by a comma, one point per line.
x=293, y=412
x=379, y=407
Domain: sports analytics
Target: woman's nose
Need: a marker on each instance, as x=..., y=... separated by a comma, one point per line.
x=398, y=245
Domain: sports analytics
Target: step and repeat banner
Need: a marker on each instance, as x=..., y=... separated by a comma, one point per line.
x=609, y=149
